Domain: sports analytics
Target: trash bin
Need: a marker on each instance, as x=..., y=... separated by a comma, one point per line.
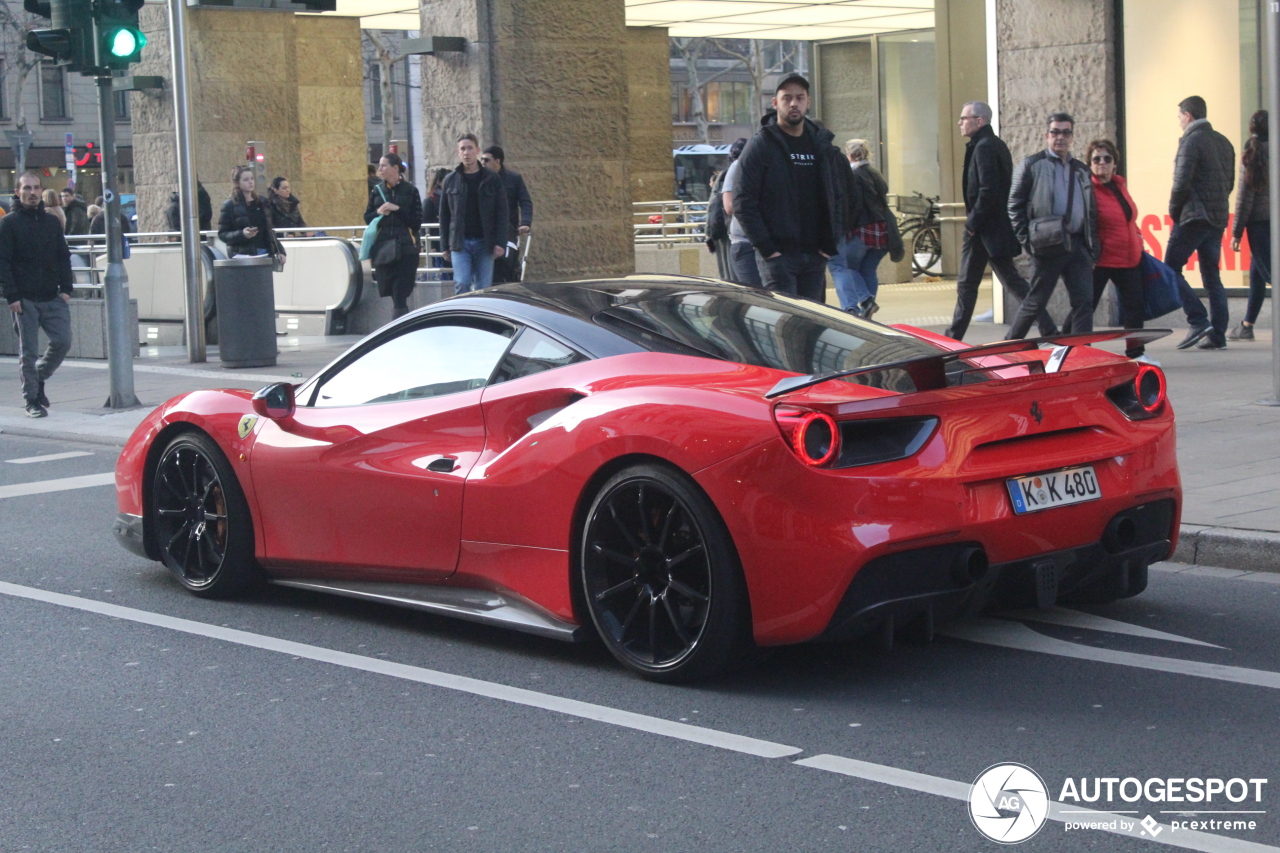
x=246, y=305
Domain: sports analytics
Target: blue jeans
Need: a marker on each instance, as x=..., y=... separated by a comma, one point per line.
x=473, y=266
x=1205, y=240
x=853, y=269
x=1259, y=266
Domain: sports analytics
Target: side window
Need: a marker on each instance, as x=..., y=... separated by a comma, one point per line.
x=534, y=352
x=429, y=361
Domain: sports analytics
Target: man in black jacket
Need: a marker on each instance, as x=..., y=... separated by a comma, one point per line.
x=1203, y=176
x=76, y=211
x=790, y=194
x=988, y=236
x=1055, y=218
x=474, y=218
x=520, y=204
x=35, y=276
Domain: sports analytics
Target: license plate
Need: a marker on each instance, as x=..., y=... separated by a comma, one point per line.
x=1054, y=489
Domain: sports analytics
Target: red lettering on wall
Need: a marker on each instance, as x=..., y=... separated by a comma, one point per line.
x=1151, y=223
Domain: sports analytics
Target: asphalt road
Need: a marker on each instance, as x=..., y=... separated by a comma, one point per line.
x=135, y=717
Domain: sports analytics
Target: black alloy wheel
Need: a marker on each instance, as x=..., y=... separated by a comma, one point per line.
x=200, y=520
x=661, y=578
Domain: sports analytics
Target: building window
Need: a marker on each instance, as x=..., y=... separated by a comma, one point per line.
x=4, y=86
x=723, y=102
x=53, y=93
x=121, y=100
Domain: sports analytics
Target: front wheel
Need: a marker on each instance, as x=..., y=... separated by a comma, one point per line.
x=661, y=578
x=200, y=519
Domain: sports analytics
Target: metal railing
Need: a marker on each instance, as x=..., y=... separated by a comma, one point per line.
x=88, y=249
x=671, y=221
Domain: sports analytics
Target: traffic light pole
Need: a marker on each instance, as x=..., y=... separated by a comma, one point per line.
x=121, y=333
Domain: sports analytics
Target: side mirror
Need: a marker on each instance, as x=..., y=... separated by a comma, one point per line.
x=275, y=401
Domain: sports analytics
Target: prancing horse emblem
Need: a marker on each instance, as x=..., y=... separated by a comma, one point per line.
x=246, y=425
x=1035, y=413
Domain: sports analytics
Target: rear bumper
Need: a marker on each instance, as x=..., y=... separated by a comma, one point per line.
x=128, y=531
x=927, y=583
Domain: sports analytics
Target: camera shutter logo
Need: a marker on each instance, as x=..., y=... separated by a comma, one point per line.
x=1008, y=803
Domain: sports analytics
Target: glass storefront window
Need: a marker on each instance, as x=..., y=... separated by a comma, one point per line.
x=909, y=112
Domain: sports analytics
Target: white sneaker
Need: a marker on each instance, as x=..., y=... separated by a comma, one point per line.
x=1146, y=359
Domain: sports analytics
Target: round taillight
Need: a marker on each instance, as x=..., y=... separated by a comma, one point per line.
x=817, y=439
x=1149, y=385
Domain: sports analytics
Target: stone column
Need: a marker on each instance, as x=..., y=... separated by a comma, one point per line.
x=962, y=77
x=649, y=113
x=331, y=175
x=291, y=82
x=546, y=80
x=1056, y=55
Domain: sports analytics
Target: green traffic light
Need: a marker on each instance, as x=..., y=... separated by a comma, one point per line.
x=125, y=42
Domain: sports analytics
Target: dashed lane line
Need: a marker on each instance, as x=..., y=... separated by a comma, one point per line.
x=893, y=776
x=63, y=484
x=49, y=457
x=463, y=684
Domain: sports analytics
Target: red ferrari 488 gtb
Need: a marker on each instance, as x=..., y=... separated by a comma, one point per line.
x=686, y=467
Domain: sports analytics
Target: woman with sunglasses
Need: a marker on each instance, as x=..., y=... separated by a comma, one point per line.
x=1120, y=256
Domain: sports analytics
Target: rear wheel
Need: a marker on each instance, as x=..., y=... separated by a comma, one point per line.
x=926, y=249
x=661, y=578
x=200, y=519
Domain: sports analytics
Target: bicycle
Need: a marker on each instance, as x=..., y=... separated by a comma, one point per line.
x=921, y=223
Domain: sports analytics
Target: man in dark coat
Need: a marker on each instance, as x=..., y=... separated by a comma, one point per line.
x=204, y=210
x=988, y=235
x=1203, y=176
x=76, y=211
x=474, y=218
x=791, y=194
x=520, y=204
x=35, y=277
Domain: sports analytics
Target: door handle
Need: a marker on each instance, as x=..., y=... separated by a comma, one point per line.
x=443, y=465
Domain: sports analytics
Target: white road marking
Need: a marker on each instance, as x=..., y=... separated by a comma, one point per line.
x=1080, y=619
x=41, y=487
x=50, y=457
x=473, y=686
x=1187, y=839
x=1012, y=635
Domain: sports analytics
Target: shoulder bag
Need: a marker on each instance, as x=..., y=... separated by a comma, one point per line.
x=1159, y=287
x=1048, y=234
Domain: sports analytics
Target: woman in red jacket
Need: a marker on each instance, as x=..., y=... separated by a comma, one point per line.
x=1120, y=258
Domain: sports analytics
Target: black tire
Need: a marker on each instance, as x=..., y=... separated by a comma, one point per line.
x=927, y=242
x=661, y=578
x=200, y=520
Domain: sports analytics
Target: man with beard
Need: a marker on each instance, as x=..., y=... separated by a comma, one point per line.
x=790, y=194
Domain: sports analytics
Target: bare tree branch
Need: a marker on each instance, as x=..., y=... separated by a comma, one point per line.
x=386, y=57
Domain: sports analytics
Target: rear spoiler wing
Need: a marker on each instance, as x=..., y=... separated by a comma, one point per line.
x=930, y=372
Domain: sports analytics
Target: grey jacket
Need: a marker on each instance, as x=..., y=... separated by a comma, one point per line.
x=1031, y=197
x=1251, y=205
x=1203, y=176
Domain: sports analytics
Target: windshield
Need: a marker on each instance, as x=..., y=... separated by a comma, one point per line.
x=767, y=330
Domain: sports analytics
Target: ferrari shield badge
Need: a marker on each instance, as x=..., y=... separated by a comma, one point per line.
x=246, y=425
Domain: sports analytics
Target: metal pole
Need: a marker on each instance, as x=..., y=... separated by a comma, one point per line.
x=188, y=205
x=121, y=333
x=1273, y=149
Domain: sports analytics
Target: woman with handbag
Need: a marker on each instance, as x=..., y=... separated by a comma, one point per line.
x=1120, y=249
x=245, y=223
x=1253, y=215
x=395, y=210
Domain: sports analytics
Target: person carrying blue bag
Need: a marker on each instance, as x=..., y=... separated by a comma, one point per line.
x=1120, y=252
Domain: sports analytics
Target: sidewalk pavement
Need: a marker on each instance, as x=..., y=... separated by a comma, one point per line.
x=1228, y=445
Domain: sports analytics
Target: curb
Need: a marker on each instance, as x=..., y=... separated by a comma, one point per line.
x=61, y=435
x=1228, y=548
